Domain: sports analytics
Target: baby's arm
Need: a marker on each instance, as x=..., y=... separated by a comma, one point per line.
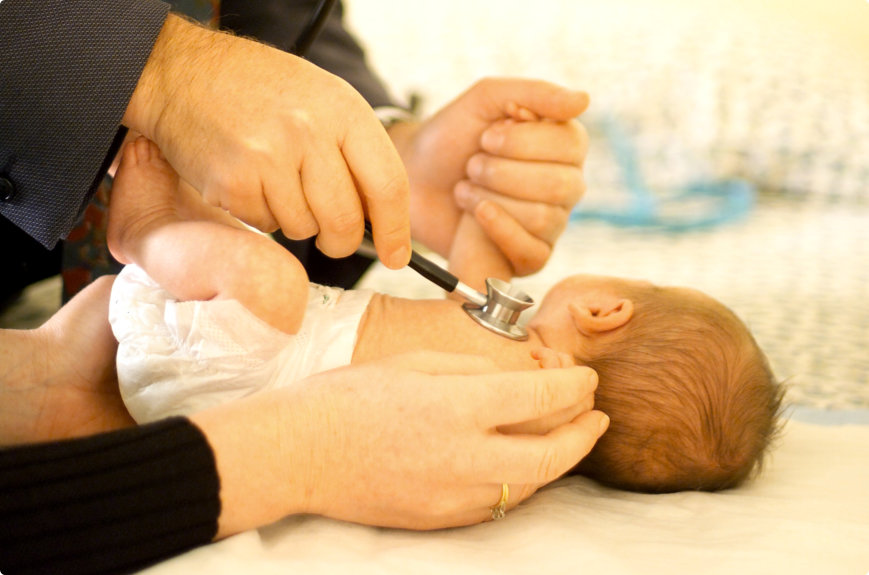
x=196, y=251
x=474, y=257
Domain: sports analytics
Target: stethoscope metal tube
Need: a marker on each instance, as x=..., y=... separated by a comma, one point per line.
x=497, y=310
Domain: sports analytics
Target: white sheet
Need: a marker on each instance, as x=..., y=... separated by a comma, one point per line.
x=807, y=514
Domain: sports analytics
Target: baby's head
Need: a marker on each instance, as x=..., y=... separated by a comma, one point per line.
x=692, y=401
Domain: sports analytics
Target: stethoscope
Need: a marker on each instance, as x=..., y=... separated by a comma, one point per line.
x=500, y=307
x=497, y=310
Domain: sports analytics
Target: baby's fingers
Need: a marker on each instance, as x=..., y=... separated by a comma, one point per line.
x=549, y=358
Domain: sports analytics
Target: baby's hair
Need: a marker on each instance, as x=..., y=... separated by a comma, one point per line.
x=692, y=400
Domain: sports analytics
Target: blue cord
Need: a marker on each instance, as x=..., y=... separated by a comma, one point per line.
x=698, y=205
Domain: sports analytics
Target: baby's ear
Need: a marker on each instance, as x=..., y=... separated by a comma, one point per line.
x=592, y=318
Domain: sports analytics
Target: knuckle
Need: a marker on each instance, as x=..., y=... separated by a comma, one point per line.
x=343, y=223
x=299, y=121
x=393, y=188
x=221, y=184
x=296, y=224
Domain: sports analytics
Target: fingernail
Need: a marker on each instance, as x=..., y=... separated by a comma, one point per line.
x=486, y=211
x=493, y=139
x=475, y=167
x=604, y=423
x=399, y=258
x=464, y=195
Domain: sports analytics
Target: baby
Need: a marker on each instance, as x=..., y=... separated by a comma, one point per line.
x=691, y=399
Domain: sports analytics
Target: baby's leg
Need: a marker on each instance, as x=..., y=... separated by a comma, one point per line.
x=196, y=251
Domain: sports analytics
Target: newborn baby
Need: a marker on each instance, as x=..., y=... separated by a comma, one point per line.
x=691, y=400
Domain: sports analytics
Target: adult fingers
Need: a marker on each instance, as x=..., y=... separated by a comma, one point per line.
x=564, y=142
x=523, y=396
x=540, y=219
x=333, y=199
x=234, y=191
x=442, y=363
x=467, y=506
x=517, y=240
x=545, y=458
x=490, y=497
x=500, y=96
x=384, y=188
x=546, y=182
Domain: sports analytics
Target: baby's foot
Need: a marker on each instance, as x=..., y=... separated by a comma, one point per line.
x=144, y=196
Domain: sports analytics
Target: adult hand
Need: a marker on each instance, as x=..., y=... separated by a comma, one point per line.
x=507, y=151
x=410, y=442
x=273, y=139
x=59, y=380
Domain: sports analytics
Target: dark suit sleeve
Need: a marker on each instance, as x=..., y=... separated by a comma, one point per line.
x=279, y=22
x=67, y=72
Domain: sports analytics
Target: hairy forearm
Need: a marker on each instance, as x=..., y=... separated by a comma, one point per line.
x=177, y=54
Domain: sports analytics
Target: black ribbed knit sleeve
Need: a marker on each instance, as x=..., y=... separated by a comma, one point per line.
x=111, y=503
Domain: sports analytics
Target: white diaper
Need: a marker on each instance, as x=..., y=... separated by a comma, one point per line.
x=176, y=358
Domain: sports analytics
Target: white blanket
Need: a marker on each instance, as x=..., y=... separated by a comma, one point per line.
x=807, y=514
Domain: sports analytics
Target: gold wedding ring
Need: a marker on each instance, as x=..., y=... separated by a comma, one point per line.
x=499, y=510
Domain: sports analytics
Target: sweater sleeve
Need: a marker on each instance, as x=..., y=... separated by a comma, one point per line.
x=111, y=503
x=67, y=73
x=279, y=23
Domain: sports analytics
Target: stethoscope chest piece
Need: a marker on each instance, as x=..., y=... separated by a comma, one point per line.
x=500, y=313
x=498, y=310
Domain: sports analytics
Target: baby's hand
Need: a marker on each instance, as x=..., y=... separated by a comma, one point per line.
x=548, y=358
